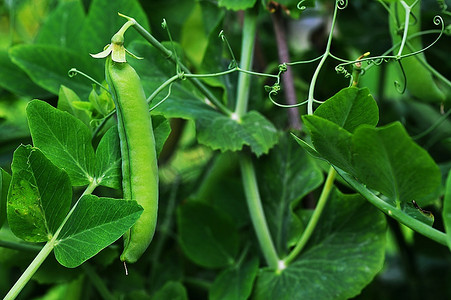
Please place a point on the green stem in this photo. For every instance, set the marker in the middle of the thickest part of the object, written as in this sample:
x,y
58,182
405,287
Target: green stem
x,y
169,55
20,246
247,54
396,214
45,251
32,268
321,63
256,212
407,8
314,218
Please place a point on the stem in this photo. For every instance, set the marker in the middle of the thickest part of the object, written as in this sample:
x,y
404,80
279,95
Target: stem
x,y
256,212
396,214
247,168
321,63
314,218
169,55
406,27
45,251
288,81
247,50
32,268
20,246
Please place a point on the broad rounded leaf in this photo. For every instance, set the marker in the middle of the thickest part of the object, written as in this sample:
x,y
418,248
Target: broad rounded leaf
x,y
64,139
94,224
343,255
39,196
207,236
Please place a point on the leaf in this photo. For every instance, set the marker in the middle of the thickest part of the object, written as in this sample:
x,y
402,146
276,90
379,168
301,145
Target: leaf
x,y
5,180
39,196
285,176
15,80
207,236
172,290
350,108
331,141
48,66
66,100
13,122
64,139
214,128
343,255
237,4
161,131
447,209
235,283
94,224
62,27
387,160
307,147
108,160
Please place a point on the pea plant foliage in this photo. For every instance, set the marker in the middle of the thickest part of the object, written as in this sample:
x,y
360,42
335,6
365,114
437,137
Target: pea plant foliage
x,y
225,150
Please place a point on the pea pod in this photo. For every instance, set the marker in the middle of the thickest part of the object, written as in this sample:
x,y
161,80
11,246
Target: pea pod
x,y
420,82
139,159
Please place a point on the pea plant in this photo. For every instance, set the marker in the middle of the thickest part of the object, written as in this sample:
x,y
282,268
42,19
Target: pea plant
x,y
225,150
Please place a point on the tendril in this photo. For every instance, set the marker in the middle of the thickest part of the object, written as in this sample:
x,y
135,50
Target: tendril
x,y
300,6
233,64
397,84
342,4
342,70
274,93
164,25
73,72
164,99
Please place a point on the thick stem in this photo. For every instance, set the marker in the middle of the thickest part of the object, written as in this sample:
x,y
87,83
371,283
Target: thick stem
x,y
29,272
256,212
247,49
169,55
314,218
287,79
396,214
45,251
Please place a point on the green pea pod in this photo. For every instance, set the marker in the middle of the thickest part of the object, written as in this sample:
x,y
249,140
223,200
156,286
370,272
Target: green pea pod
x,y
139,160
420,82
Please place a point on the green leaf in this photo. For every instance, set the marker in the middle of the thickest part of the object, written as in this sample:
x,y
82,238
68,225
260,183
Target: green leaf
x,y
387,160
94,224
108,160
172,290
161,131
66,100
48,66
64,139
344,254
207,236
285,176
5,180
350,108
214,129
307,147
39,196
447,209
237,4
62,27
331,141
235,283
13,122
15,80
